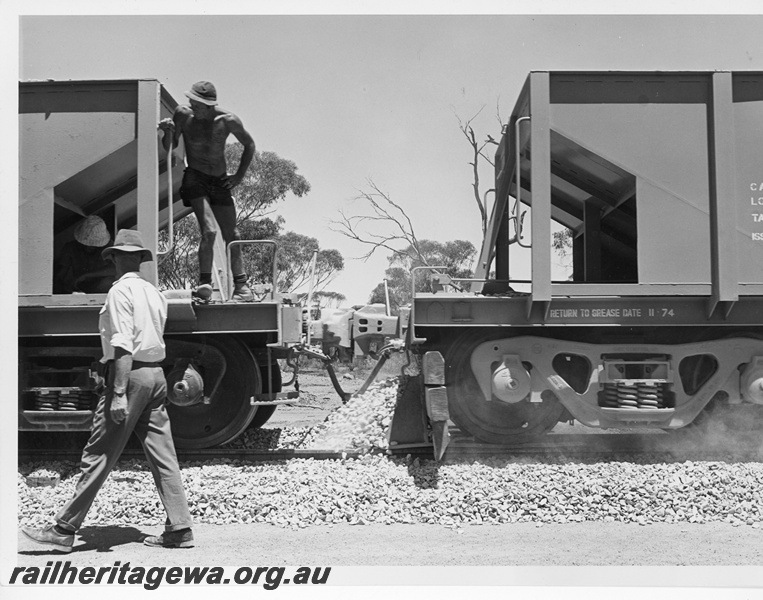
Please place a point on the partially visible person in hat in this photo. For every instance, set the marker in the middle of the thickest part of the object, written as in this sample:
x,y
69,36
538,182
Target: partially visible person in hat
x,y
206,183
131,326
80,267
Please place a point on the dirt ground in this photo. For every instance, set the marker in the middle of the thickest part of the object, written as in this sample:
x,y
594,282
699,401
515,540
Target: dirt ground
x,y
519,544
317,399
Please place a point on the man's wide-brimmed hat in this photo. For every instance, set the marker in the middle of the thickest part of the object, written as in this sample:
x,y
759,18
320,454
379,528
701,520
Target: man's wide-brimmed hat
x,y
128,240
204,92
92,232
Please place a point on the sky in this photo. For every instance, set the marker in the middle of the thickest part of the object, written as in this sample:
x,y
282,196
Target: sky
x,y
354,99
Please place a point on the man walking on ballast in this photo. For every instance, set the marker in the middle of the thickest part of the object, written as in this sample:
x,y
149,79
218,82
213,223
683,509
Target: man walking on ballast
x,y
131,326
206,184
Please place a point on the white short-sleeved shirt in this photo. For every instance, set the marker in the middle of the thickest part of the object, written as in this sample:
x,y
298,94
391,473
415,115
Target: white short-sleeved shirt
x,y
133,318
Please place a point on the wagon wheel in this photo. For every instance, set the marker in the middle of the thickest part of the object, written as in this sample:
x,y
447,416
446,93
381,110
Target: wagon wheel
x,y
231,377
720,419
494,422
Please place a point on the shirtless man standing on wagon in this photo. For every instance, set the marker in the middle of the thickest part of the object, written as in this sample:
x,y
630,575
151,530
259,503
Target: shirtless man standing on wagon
x,y
206,184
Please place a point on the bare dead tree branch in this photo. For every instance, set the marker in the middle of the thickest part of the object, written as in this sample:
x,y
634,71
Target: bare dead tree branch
x,y
480,155
381,210
501,121
350,227
477,152
255,213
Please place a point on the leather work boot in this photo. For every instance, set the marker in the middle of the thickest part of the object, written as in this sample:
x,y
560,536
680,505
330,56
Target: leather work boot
x,y
204,291
182,538
48,536
242,293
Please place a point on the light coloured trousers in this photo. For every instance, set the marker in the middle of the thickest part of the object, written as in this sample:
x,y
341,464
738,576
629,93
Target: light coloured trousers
x,y
147,416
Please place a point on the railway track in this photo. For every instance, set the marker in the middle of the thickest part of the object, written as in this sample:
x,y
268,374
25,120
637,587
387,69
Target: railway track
x,y
553,446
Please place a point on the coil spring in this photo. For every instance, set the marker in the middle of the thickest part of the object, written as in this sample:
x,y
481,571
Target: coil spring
x,y
633,395
46,400
66,400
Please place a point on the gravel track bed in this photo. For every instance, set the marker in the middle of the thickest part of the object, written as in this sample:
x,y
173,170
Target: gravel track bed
x,y
382,490
377,489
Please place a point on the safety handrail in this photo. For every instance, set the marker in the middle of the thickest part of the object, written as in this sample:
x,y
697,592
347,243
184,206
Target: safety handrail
x,y
411,320
484,199
516,217
275,261
170,210
486,279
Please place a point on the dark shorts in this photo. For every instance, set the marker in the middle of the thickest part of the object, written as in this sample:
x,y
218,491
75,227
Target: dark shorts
x,y
200,185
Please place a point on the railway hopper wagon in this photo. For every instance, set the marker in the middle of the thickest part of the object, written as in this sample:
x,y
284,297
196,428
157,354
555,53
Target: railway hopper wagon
x,y
93,148
656,180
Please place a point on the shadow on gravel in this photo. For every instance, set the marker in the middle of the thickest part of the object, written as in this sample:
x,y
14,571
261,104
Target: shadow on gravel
x,y
104,539
425,474
100,539
42,552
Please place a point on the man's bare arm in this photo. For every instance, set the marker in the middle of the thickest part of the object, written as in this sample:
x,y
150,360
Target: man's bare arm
x,y
236,127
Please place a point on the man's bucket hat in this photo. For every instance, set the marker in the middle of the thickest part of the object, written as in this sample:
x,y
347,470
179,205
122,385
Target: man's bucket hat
x,y
128,240
92,232
204,92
